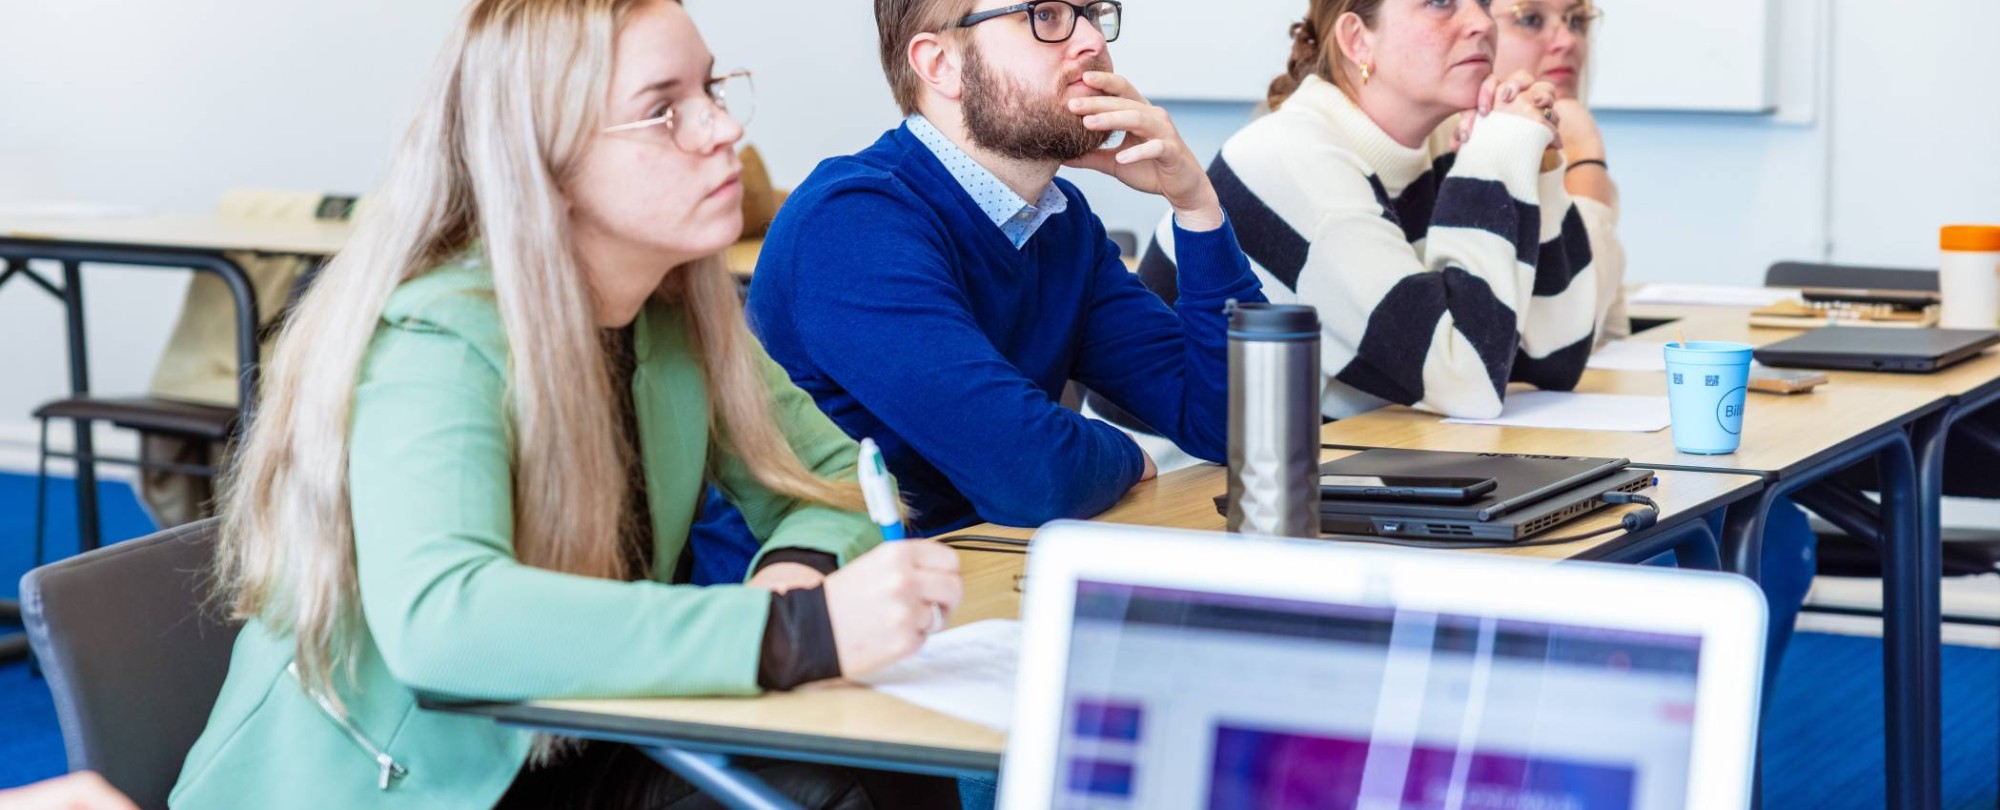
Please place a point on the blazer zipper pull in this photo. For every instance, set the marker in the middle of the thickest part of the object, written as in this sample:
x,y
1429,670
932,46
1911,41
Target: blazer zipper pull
x,y
390,770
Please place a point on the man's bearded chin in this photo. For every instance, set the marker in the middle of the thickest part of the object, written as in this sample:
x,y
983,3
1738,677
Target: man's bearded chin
x,y
1004,117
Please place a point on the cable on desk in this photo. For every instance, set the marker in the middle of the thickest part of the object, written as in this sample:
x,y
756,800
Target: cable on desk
x,y
1015,545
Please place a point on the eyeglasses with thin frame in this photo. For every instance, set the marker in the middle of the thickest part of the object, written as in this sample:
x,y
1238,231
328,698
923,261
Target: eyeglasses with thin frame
x,y
690,122
1534,19
1055,20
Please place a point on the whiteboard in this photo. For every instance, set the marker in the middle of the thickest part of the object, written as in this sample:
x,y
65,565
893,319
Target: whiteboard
x,y
1205,50
1673,55
1684,55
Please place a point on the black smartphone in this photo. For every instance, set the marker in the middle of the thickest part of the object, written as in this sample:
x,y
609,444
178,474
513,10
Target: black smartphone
x,y
1423,489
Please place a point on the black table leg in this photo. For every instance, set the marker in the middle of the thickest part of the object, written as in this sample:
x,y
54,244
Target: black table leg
x,y
1911,567
87,531
16,253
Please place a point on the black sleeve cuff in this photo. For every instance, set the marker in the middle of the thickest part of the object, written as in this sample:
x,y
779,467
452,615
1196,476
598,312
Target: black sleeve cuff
x,y
798,641
816,560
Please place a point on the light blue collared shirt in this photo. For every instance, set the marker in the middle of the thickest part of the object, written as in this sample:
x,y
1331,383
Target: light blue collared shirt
x,y
1014,216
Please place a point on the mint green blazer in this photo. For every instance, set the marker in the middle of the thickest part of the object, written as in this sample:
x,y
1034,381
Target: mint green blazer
x,y
447,607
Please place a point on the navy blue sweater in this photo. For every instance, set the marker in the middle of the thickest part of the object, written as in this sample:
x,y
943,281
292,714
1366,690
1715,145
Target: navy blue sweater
x,y
890,297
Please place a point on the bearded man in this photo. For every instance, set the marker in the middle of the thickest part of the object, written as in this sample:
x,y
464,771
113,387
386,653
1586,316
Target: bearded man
x,y
925,302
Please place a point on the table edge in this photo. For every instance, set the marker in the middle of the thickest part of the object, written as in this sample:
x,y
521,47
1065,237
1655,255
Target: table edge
x,y
733,739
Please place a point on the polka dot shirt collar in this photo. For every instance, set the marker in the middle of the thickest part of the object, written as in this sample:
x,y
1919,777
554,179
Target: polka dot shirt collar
x,y
1015,217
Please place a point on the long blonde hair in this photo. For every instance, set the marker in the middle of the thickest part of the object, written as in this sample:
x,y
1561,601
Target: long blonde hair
x,y
518,95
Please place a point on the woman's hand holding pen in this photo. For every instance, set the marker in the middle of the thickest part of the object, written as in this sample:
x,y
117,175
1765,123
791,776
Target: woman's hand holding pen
x,y
885,603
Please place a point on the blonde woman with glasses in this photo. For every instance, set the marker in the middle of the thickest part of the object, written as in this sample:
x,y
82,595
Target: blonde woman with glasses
x,y
1550,40
485,434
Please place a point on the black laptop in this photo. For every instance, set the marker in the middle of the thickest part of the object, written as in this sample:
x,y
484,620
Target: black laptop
x,y
1852,348
1534,494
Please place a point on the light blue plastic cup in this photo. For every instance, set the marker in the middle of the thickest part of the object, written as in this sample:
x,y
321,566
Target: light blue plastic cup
x,y
1707,385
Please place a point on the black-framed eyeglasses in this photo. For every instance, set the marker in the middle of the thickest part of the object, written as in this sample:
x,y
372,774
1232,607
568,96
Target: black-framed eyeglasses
x,y
1055,20
1534,19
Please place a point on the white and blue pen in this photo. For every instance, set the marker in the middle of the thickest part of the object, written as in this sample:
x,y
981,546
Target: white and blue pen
x,y
879,491
880,494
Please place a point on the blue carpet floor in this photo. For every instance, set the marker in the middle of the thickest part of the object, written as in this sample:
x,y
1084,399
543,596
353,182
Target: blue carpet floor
x,y
1822,743
121,519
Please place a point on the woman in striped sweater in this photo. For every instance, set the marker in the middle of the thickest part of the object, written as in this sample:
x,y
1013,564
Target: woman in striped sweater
x,y
1445,262
1432,224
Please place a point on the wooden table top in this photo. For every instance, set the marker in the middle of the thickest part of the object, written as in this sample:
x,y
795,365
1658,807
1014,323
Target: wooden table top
x,y
742,257
1733,323
830,709
187,232
1781,434
1181,499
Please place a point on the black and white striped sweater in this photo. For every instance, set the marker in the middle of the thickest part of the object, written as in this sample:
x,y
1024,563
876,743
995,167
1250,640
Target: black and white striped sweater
x,y
1439,276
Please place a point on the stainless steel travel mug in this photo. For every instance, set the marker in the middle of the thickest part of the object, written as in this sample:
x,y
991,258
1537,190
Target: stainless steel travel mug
x,y
1274,420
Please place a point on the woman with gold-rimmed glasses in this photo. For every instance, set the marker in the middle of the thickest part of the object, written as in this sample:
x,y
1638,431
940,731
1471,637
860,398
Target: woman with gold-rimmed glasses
x,y
1550,40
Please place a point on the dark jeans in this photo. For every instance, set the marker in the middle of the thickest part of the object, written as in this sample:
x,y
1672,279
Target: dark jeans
x,y
620,777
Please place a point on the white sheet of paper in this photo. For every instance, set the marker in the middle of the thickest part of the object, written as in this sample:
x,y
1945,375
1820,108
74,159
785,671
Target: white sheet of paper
x,y
966,672
1557,409
1630,355
1710,295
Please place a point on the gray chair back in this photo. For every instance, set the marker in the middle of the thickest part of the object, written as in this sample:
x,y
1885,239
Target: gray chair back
x,y
1127,242
1850,277
132,658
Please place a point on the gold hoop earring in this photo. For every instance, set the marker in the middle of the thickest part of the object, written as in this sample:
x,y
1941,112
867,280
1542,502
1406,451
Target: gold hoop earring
x,y
1367,71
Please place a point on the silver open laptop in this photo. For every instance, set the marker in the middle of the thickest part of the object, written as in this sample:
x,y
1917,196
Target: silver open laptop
x,y
1164,669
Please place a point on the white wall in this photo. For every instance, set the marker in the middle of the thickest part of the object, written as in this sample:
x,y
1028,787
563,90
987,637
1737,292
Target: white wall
x,y
1709,198
164,105
1886,129
1917,136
